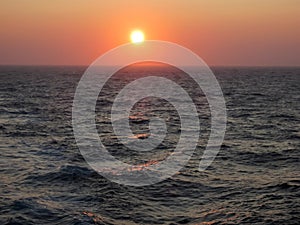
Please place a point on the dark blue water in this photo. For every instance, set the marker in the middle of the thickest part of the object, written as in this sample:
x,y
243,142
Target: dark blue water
x,y
255,178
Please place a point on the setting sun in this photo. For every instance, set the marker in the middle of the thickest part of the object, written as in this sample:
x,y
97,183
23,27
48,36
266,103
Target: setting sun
x,y
137,36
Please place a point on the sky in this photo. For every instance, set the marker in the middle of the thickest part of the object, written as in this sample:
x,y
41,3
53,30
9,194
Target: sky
x,y
221,32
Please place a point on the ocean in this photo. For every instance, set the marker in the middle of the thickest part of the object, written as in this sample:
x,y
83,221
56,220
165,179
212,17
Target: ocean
x,y
254,179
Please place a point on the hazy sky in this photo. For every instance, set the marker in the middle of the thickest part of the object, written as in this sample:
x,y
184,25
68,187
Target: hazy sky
x,y
222,32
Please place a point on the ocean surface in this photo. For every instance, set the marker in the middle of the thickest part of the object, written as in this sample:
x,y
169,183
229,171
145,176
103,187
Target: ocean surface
x,y
255,178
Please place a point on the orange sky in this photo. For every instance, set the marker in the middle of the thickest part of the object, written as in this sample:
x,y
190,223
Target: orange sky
x,y
222,32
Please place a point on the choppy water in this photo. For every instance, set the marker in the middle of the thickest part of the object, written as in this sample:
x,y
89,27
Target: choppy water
x,y
254,179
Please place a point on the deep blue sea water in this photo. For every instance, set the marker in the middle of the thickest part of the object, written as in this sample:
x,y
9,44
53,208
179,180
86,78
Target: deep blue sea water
x,y
254,179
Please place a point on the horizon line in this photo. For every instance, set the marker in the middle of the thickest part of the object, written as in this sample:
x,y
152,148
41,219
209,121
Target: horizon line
x,y
82,65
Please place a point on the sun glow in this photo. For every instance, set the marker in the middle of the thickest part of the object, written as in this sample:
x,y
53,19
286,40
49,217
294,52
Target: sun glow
x,y
137,36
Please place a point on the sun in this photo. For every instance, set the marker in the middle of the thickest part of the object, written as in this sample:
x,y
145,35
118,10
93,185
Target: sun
x,y
137,36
